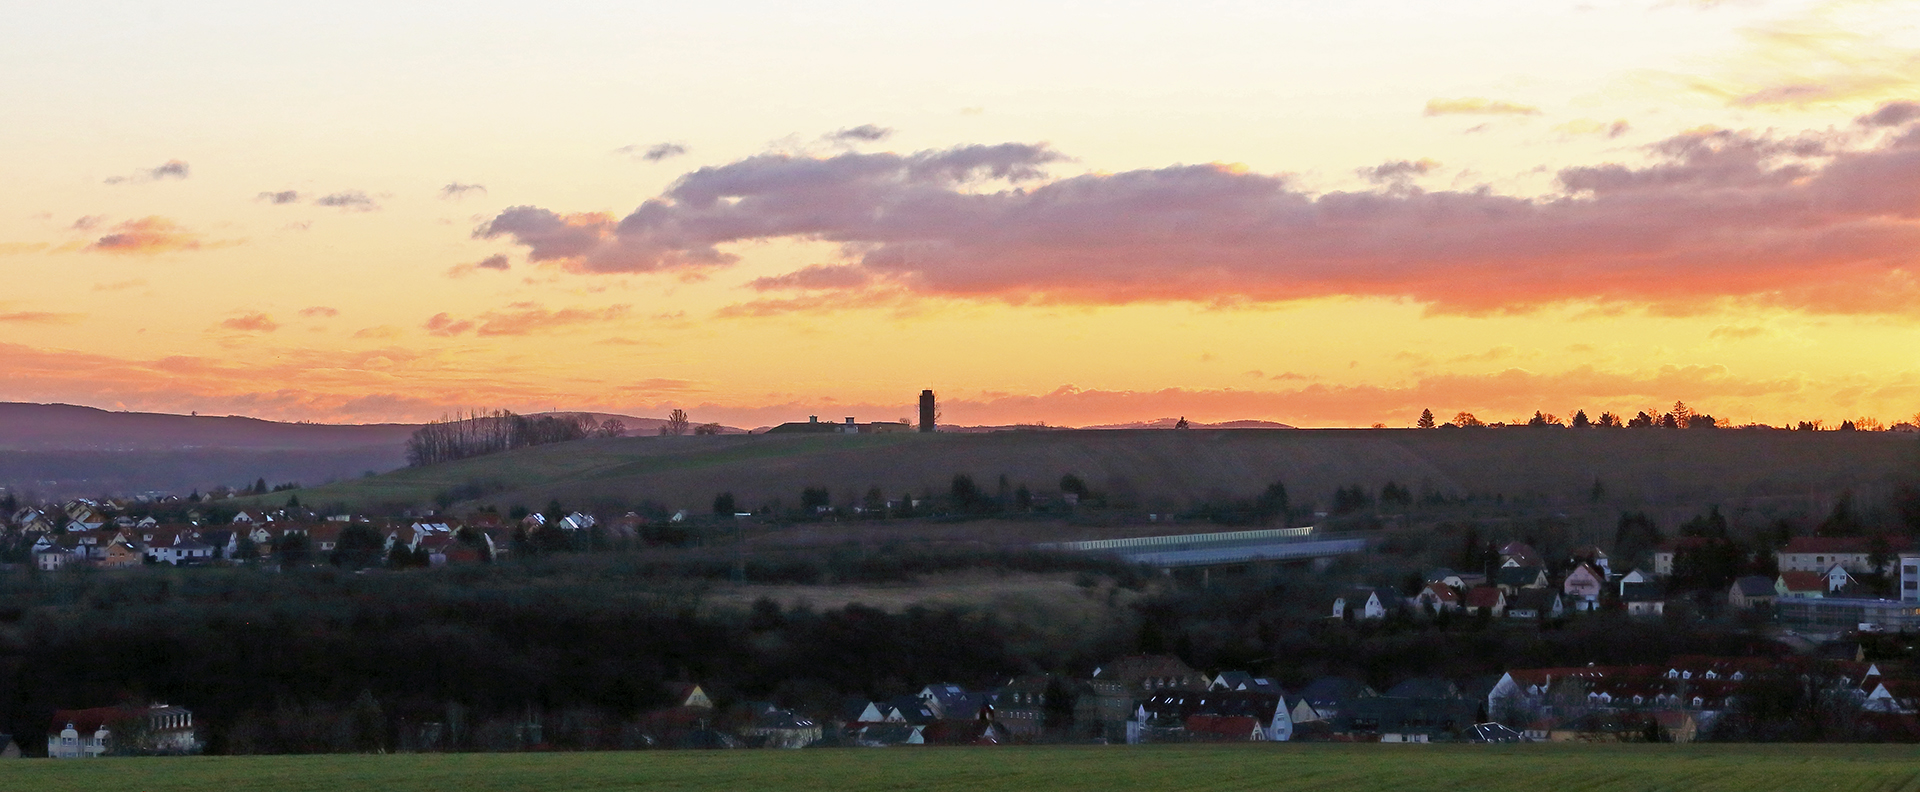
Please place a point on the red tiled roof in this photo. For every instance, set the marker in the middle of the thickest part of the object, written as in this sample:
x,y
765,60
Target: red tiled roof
x,y
1804,581
1826,544
1483,596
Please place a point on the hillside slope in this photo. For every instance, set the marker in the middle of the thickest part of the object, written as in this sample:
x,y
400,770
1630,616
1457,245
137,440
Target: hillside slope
x,y
1167,468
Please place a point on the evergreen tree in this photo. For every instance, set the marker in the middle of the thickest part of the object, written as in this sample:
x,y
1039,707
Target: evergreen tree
x,y
1426,420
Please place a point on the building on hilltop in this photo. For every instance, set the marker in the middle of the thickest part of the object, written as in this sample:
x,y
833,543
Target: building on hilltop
x,y
813,425
122,731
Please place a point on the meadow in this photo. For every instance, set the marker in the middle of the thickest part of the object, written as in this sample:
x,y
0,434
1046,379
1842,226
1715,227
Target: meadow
x,y
1332,768
1163,470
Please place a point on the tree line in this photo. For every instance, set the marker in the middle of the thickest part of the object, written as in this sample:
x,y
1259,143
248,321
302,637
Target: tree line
x,y
479,434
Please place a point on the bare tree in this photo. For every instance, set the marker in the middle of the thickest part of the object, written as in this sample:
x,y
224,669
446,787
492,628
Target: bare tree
x,y
676,423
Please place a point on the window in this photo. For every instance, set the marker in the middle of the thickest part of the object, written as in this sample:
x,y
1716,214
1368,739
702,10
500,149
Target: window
x,y
1908,569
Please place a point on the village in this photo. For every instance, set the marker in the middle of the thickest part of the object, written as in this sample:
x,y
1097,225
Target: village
x,y
1816,606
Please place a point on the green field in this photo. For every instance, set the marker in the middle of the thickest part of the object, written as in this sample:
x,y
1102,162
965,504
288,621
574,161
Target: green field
x,y
1532,768
1166,470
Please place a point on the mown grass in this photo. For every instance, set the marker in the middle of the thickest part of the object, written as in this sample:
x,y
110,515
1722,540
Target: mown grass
x,y
1332,768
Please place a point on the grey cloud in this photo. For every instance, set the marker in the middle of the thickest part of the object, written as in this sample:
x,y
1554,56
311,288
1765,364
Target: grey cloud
x,y
281,197
171,169
1892,114
458,190
653,153
865,133
352,200
1398,170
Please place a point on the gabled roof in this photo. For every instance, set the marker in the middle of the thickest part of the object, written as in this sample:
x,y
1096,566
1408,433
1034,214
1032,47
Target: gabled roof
x,y
1536,599
1333,690
1142,666
1803,581
1754,586
1424,687
1519,576
1484,597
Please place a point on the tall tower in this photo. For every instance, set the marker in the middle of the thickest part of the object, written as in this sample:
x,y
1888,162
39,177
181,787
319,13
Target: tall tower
x,y
926,410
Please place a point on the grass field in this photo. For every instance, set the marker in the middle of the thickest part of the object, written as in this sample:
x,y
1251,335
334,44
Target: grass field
x,y
1167,467
1328,768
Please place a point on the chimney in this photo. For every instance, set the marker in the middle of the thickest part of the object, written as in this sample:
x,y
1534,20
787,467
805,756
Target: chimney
x,y
813,419
927,410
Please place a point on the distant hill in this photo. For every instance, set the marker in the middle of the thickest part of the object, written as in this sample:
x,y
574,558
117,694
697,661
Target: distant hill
x,y
61,450
1168,469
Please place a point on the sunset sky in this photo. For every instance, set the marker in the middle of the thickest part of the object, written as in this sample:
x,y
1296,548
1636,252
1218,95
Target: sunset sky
x,y
1324,214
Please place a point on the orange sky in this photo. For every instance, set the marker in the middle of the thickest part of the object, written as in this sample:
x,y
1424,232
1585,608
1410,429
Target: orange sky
x,y
1320,216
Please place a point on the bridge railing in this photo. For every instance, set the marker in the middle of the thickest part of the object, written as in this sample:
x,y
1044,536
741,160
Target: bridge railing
x,y
1140,542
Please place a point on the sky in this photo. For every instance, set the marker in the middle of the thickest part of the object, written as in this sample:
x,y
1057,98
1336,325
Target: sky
x,y
1076,213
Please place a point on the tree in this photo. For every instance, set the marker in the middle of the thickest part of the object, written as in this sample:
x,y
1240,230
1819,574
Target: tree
x,y
1681,413
244,548
1465,420
614,427
1182,423
292,550
964,493
1669,421
1426,420
1609,421
358,547
676,424
723,504
814,500
1580,419
1634,538
1272,503
1844,520
1641,420
1057,703
707,429
1072,484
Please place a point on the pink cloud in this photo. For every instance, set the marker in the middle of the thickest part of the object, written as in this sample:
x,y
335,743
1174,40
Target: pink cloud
x,y
147,236
1821,222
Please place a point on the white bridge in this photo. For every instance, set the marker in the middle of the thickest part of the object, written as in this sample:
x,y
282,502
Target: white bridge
x,y
1217,549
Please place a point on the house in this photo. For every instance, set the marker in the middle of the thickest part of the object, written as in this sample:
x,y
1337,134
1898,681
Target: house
x,y
1485,599
121,554
1840,583
688,694
884,735
1819,553
51,558
779,728
1633,576
1800,585
1583,586
1407,720
1664,554
1022,705
1365,603
950,701
1535,603
1752,591
1329,696
1909,582
1520,554
1243,682
154,730
1511,579
1225,716
1643,599
1437,597
8,748
1424,687
1593,556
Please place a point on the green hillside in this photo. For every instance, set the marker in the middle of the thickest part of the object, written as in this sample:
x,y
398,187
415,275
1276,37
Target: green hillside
x,y
1333,768
1166,469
